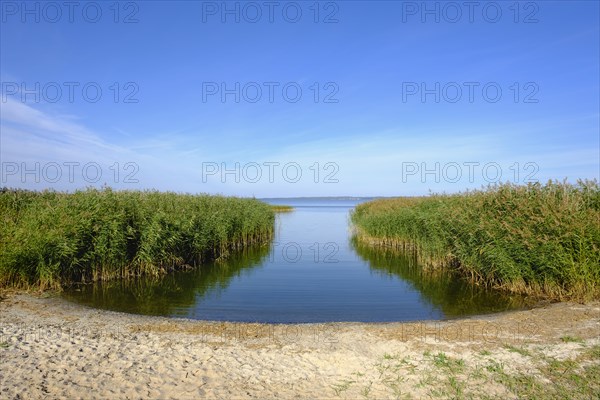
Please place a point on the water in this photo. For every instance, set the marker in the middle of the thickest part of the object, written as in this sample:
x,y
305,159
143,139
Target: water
x,y
312,272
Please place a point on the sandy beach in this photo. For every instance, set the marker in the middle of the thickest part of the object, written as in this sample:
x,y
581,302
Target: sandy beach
x,y
50,348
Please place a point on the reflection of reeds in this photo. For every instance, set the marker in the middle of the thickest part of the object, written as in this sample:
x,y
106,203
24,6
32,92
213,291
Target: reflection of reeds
x,y
440,286
49,238
280,209
535,239
161,295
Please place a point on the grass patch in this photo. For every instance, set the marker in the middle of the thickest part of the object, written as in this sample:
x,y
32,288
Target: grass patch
x,y
594,352
495,366
342,386
536,239
519,350
563,379
441,360
539,377
50,238
571,339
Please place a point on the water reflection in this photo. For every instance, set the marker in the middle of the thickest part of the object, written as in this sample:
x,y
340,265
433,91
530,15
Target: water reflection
x,y
454,296
311,272
172,294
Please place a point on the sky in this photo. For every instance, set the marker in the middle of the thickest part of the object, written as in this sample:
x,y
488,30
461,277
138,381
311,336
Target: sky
x,y
305,98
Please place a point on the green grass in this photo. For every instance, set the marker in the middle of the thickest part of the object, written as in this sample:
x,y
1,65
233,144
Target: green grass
x,y
50,239
536,239
571,339
341,387
445,377
519,350
441,360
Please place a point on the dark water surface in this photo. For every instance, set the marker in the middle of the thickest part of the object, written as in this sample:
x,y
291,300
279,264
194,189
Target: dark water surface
x,y
312,272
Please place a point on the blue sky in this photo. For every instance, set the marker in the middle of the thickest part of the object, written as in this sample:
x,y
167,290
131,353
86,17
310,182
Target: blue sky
x,y
388,107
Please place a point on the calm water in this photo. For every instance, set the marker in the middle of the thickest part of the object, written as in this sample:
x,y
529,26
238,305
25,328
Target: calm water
x,y
312,272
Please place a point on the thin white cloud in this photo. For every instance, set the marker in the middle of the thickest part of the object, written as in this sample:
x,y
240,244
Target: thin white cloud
x,y
49,127
31,137
371,163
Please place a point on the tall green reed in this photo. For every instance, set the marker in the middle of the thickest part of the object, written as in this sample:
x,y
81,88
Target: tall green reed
x,y
535,239
49,238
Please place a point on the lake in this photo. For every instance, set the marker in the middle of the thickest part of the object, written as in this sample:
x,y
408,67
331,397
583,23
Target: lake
x,y
312,272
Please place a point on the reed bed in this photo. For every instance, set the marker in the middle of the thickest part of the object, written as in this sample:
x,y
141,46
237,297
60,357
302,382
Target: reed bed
x,y
50,239
542,240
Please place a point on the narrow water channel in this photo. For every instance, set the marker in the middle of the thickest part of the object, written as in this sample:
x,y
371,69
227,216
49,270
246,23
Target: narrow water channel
x,y
312,272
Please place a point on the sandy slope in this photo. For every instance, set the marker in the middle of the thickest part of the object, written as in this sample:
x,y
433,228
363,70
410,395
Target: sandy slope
x,y
50,348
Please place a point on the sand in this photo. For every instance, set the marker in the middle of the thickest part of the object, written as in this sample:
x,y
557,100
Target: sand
x,y
50,348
